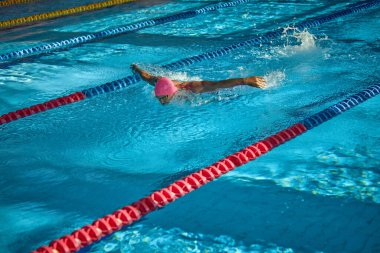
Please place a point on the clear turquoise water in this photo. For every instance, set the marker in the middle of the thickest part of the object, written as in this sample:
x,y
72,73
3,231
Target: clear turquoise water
x,y
64,168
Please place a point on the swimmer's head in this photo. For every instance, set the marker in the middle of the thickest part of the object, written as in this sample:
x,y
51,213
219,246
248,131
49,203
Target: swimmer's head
x,y
165,90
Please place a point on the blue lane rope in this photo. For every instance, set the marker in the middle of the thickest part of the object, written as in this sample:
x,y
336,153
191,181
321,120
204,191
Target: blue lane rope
x,y
115,31
122,83
334,110
255,41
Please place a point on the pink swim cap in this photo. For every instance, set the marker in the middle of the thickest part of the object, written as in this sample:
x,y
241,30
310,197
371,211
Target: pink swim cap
x,y
164,86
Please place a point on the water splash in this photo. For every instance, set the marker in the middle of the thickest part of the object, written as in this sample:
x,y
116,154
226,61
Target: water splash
x,y
292,42
305,41
274,78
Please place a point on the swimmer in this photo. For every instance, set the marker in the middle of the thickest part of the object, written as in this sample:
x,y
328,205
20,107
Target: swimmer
x,y
165,88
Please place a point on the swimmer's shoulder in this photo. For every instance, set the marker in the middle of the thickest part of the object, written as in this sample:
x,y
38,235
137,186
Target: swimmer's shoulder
x,y
194,86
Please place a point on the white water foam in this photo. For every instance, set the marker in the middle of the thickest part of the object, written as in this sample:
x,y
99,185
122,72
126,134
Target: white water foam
x,y
274,78
295,42
306,39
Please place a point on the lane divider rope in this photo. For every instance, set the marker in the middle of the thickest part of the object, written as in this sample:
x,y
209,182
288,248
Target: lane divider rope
x,y
61,13
14,2
158,199
53,46
129,80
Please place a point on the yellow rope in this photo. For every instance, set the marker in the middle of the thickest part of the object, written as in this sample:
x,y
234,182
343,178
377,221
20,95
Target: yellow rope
x,y
11,2
60,13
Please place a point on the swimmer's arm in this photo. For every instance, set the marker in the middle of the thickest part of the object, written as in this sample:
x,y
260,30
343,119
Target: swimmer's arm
x,y
146,76
207,86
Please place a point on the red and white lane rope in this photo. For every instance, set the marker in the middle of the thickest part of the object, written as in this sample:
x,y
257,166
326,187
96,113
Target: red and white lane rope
x,y
131,213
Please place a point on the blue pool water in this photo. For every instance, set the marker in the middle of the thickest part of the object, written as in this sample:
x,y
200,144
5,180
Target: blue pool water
x,y
64,168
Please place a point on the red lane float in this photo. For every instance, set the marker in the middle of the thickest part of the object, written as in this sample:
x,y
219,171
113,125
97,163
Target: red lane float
x,y
129,214
69,99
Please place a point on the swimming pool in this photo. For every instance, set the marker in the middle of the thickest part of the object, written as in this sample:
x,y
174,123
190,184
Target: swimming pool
x,y
66,167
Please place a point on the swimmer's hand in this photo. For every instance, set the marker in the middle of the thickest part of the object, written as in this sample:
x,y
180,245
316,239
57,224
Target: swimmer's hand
x,y
256,81
135,68
146,76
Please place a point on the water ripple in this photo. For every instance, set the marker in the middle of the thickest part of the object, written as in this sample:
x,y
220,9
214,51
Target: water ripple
x,y
144,239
